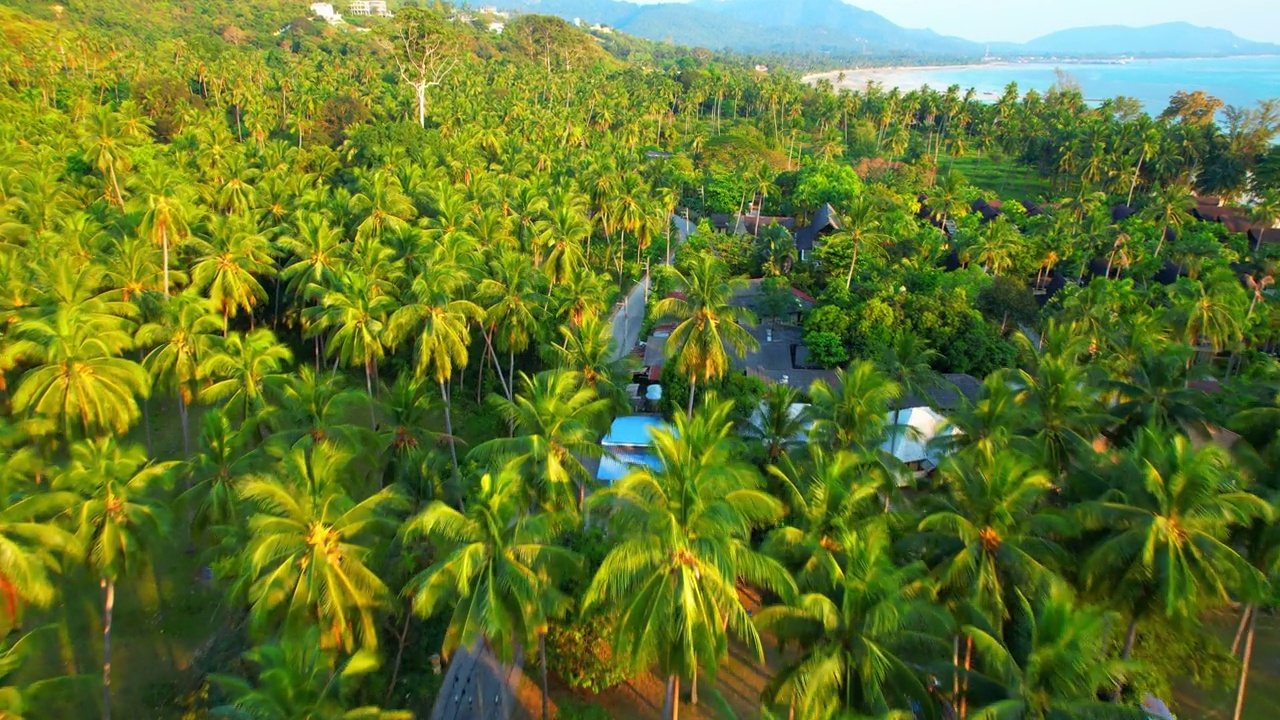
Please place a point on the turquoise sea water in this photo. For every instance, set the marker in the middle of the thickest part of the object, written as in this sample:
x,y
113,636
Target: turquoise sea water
x,y
1238,81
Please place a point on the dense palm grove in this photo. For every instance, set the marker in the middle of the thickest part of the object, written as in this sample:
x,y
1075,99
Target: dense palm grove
x,y
317,321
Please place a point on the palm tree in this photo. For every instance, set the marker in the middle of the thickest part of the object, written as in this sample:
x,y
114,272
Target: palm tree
x,y
230,265
106,148
497,571
861,230
167,217
179,341
31,547
117,518
1156,392
861,642
1061,671
215,474
851,413
554,418
909,364
299,680
511,318
776,425
1208,312
1167,518
709,322
1167,207
241,368
683,533
310,546
590,350
355,313
826,495
439,324
77,379
1062,413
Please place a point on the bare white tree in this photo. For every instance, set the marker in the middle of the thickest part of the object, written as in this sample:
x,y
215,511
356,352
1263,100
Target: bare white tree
x,y
426,49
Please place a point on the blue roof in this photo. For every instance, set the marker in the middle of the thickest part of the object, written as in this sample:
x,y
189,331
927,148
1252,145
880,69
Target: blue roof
x,y
613,468
634,430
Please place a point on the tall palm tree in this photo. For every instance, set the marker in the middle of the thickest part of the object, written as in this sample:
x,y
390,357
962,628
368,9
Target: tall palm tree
x,y
711,326
776,425
355,313
1063,414
684,530
1062,669
826,494
851,414
909,364
555,418
1167,207
77,379
590,350
117,517
215,474
167,218
862,641
497,569
241,368
1167,519
32,548
299,680
229,266
861,231
180,340
439,324
307,562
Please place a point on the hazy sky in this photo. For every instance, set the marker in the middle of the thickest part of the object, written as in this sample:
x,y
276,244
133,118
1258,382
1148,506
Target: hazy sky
x,y
1022,20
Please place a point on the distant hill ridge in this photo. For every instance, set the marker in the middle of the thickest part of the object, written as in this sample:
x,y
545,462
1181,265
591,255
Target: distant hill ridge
x,y
833,26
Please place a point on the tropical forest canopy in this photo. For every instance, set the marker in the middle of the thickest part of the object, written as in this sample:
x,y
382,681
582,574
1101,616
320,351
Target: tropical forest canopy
x,y
307,348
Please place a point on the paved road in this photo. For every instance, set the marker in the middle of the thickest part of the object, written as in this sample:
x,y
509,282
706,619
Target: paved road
x,y
477,687
629,314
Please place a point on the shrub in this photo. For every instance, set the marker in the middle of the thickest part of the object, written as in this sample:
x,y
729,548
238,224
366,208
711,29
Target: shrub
x,y
579,652
825,349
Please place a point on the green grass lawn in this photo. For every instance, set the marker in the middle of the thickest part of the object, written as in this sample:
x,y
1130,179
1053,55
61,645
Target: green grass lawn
x,y
1002,178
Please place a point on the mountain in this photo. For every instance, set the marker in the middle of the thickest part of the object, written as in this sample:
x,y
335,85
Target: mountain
x,y
757,25
1168,39
832,26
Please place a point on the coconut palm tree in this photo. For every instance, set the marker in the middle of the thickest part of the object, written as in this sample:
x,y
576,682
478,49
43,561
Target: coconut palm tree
x,y
76,378
860,643
776,425
215,474
439,324
180,340
497,569
1061,670
311,546
555,418
861,231
241,369
297,679
909,364
1167,518
683,533
229,266
32,549
117,517
710,325
851,414
355,314
15,658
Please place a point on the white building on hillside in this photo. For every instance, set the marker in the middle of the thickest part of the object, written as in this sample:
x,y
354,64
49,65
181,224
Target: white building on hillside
x,y
497,27
324,11
369,7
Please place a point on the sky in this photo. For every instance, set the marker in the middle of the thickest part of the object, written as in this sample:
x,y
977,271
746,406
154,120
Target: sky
x,y
1022,20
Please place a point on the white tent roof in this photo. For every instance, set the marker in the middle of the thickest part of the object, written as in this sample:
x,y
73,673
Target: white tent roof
x,y
910,443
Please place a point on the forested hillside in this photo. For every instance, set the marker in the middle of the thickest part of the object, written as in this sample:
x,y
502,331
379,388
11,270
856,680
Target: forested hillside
x,y
308,344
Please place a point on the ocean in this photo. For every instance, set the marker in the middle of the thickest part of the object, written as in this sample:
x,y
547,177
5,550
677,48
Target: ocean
x,y
1237,81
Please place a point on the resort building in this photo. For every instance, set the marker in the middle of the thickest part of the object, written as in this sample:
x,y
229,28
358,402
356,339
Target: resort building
x,y
369,7
325,11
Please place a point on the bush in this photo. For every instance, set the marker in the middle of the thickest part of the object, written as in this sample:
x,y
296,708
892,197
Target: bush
x,y
579,652
825,349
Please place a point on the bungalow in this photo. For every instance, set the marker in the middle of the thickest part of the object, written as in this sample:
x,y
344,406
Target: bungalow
x,y
629,445
825,222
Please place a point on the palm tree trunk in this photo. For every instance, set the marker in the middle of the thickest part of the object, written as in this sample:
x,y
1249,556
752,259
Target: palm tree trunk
x,y
1133,185
693,384
108,607
453,445
395,668
848,282
1244,623
693,686
164,244
955,678
964,689
1244,666
185,420
1129,639
542,663
671,705
368,386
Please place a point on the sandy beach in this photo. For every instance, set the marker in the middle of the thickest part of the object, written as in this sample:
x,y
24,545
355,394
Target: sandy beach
x,y
905,77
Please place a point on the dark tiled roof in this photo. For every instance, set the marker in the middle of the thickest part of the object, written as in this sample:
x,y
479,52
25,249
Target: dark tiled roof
x,y
825,219
1122,212
1257,236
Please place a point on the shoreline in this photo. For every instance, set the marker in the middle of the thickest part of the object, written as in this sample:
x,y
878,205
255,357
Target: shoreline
x,y
849,73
